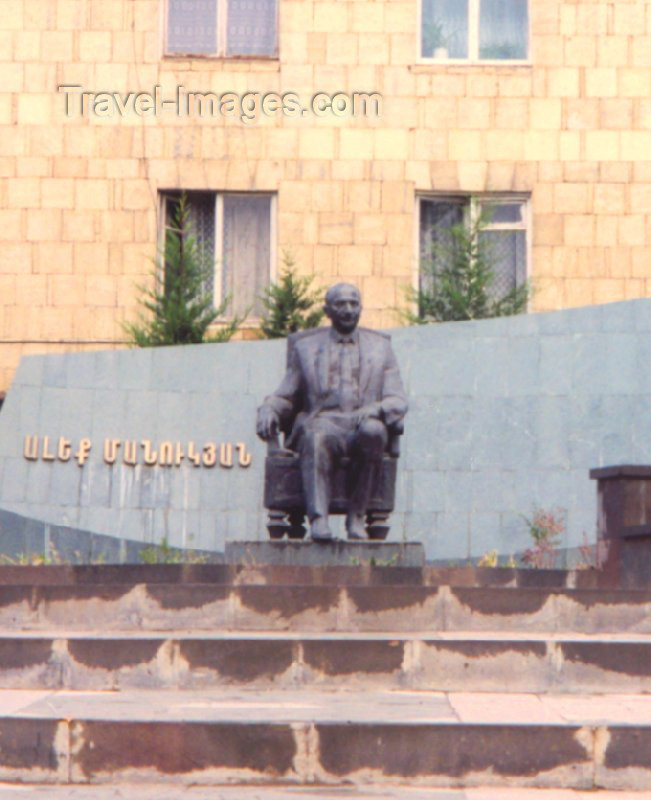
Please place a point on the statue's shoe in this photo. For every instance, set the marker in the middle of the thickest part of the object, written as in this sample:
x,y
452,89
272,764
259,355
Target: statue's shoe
x,y
355,527
320,530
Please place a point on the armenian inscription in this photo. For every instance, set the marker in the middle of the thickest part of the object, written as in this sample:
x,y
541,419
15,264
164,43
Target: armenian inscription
x,y
132,451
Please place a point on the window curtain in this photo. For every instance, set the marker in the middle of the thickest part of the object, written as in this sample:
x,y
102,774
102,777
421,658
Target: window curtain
x,y
436,219
503,29
444,29
246,254
192,26
251,28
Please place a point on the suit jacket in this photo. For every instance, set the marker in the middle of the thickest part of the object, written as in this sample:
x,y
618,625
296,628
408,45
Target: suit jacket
x,y
306,384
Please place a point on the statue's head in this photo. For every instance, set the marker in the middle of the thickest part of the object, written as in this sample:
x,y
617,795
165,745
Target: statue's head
x,y
343,305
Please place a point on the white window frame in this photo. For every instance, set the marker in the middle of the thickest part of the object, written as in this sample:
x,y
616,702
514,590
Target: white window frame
x,y
218,296
471,203
222,29
473,41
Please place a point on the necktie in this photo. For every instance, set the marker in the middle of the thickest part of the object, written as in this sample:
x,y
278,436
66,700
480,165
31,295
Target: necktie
x,y
346,387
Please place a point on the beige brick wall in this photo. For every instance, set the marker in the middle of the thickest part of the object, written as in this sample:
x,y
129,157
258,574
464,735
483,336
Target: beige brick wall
x,y
78,196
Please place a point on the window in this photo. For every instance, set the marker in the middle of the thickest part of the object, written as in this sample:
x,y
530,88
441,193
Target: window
x,y
233,232
503,231
475,30
222,28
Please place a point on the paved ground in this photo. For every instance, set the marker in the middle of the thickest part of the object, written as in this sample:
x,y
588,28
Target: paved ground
x,y
391,706
185,633
138,791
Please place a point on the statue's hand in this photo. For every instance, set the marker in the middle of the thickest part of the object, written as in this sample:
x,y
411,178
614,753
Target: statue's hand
x,y
267,423
370,411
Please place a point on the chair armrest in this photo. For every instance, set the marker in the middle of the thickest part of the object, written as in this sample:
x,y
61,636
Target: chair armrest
x,y
274,448
395,431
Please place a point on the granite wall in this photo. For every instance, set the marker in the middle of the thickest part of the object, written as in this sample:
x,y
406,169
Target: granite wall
x,y
505,415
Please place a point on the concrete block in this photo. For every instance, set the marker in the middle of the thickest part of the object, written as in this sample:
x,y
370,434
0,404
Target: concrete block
x,y
486,431
641,431
20,535
449,533
171,413
556,357
641,314
490,366
202,410
65,485
491,490
75,413
68,544
232,522
425,450
184,488
125,486
523,366
585,425
30,371
550,421
109,407
14,481
210,534
449,365
512,536
581,526
266,370
141,417
458,488
616,443
80,369
105,549
549,491
605,363
96,485
124,369
428,491
156,488
485,532
102,522
337,553
212,493
583,320
37,489
29,411
136,525
583,490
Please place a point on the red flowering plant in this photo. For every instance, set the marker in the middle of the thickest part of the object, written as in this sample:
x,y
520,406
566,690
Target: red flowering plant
x,y
545,528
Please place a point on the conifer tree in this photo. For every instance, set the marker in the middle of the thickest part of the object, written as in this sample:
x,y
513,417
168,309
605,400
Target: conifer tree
x,y
290,304
457,279
179,309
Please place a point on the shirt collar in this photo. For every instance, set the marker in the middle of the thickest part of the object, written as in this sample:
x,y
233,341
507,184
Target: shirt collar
x,y
344,338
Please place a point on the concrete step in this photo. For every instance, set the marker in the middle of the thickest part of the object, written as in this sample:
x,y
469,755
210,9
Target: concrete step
x,y
365,574
452,662
207,606
336,737
142,791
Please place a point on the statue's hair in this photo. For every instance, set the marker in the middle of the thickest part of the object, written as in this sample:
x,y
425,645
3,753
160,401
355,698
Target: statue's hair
x,y
334,290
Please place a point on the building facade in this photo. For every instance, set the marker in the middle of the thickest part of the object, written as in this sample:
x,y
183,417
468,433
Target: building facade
x,y
348,133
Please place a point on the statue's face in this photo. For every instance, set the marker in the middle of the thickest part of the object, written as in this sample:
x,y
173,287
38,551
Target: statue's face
x,y
344,308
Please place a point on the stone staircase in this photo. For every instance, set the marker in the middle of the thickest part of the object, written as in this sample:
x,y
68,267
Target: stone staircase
x,y
223,682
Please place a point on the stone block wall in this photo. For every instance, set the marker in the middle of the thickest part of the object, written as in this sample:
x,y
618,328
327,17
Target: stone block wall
x,y
78,211
506,415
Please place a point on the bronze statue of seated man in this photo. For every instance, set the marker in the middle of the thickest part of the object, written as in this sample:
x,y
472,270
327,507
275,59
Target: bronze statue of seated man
x,y
341,393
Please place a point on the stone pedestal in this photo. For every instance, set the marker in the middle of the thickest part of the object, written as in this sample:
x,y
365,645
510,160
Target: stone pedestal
x,y
338,553
624,522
